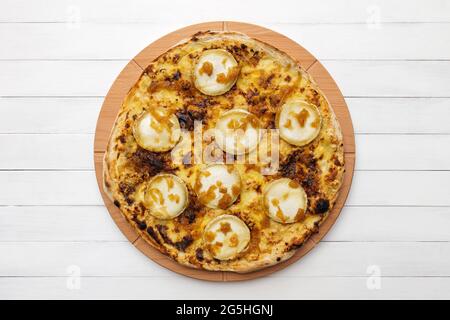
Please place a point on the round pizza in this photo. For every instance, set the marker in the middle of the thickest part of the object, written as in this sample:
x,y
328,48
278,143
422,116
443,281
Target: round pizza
x,y
225,155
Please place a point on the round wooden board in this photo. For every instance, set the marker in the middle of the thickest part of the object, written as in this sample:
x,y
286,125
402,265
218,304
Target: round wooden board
x,y
130,75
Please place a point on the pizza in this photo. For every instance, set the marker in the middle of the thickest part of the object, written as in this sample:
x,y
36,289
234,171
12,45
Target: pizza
x,y
225,155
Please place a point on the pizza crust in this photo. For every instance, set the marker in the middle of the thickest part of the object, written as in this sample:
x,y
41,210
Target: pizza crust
x,y
331,149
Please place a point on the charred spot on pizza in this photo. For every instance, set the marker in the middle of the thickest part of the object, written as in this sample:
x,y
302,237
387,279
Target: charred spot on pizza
x,y
163,233
313,96
176,76
189,115
322,206
238,52
255,57
152,233
173,77
150,69
258,110
271,124
331,176
184,85
204,102
139,210
127,190
190,213
275,100
288,168
117,204
142,225
184,243
315,228
176,58
151,162
122,139
185,120
311,184
337,162
252,96
198,34
294,246
266,81
181,245
301,166
199,254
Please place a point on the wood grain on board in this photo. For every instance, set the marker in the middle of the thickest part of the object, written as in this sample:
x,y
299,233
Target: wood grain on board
x,y
129,76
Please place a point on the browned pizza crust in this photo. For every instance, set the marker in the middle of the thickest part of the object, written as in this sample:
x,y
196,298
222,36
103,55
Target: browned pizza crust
x,y
268,77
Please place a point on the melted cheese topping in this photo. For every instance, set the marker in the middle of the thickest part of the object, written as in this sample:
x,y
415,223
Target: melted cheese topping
x,y
218,186
299,122
216,72
226,236
237,132
166,196
157,131
285,201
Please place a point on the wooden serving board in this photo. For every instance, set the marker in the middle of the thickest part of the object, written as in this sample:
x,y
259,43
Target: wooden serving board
x,y
130,75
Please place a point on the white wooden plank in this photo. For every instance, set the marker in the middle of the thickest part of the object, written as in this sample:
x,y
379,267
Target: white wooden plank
x,y
49,115
403,152
93,223
77,223
58,78
355,78
93,258
401,188
74,151
168,288
49,188
391,224
302,11
298,288
354,258
344,41
361,41
90,41
369,115
48,151
327,259
369,188
391,78
399,115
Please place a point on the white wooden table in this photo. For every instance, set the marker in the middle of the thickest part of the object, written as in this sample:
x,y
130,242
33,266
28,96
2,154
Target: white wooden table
x,y
392,62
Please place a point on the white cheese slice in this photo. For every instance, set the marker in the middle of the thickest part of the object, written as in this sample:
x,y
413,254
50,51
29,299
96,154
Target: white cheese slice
x,y
299,122
157,131
215,72
285,200
226,236
237,132
166,196
218,186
